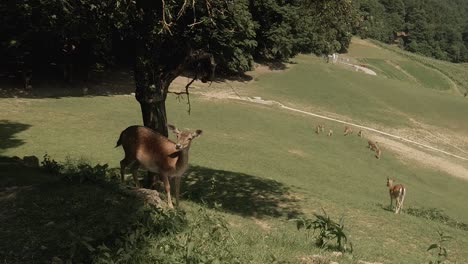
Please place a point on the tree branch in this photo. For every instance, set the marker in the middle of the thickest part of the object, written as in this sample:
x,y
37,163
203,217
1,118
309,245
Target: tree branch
x,y
180,94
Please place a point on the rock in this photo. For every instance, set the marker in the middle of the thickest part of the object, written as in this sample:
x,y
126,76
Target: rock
x,y
31,161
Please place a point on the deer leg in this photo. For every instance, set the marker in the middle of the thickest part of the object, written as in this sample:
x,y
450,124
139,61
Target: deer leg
x,y
167,186
135,167
177,189
123,165
397,207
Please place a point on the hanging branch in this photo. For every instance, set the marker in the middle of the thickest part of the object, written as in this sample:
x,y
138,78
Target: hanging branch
x,y
180,94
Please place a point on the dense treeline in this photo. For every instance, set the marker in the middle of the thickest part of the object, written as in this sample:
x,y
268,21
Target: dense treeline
x,y
433,28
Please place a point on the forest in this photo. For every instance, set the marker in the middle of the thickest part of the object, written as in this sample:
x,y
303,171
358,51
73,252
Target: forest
x,y
433,28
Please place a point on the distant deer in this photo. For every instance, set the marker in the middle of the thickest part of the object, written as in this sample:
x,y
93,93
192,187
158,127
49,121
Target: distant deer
x,y
330,133
320,128
372,145
397,193
156,153
359,133
378,153
348,130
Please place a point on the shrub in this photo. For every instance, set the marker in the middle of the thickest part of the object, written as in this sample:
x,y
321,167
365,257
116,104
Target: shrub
x,y
437,215
440,248
328,230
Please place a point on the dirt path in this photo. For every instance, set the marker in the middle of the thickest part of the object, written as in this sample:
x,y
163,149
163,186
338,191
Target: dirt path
x,y
360,68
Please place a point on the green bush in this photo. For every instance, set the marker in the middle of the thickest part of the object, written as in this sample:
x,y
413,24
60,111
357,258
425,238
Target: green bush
x,y
442,254
328,230
437,215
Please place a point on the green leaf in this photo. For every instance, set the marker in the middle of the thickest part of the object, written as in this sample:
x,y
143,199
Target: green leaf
x,y
433,246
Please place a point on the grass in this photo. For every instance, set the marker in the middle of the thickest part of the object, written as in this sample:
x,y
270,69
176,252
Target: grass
x,y
382,67
456,72
304,178
255,167
426,76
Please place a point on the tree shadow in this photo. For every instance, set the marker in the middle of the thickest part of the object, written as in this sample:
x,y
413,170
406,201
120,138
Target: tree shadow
x,y
8,130
240,193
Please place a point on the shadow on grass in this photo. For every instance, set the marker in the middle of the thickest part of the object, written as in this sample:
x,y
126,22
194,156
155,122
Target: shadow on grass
x,y
240,193
385,207
45,216
8,130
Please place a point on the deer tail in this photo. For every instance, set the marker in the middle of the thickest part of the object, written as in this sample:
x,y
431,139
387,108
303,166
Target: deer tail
x,y
119,141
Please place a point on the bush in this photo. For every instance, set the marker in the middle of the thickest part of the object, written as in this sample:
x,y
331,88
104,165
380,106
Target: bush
x,y
328,230
440,248
437,215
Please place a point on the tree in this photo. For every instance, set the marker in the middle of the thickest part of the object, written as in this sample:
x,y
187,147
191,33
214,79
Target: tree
x,y
164,39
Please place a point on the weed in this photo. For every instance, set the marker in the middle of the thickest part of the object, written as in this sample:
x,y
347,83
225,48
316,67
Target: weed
x,y
51,166
328,230
440,248
206,240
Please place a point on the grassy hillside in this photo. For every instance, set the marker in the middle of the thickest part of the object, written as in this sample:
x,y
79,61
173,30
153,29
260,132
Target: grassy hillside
x,y
263,165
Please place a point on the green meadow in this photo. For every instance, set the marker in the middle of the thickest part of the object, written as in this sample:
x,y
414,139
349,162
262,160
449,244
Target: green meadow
x,y
257,167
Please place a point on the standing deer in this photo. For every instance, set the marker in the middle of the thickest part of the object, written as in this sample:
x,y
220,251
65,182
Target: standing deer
x,y
397,193
320,128
378,153
348,130
359,133
156,153
330,133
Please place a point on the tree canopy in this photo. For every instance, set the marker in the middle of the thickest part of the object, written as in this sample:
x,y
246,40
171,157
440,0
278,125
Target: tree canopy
x,y
433,28
166,38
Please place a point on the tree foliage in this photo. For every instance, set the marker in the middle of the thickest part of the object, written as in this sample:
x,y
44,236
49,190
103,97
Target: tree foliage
x,y
166,38
433,28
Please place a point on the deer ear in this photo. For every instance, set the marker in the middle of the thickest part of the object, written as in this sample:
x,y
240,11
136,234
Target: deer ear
x,y
197,133
173,129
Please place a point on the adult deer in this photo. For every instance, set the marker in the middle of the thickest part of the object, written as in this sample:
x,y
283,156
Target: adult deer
x,y
320,128
156,153
378,153
348,130
372,145
397,193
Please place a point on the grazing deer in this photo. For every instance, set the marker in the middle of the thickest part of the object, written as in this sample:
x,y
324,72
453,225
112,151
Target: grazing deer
x,y
347,130
378,153
372,145
330,133
320,128
359,133
397,193
156,153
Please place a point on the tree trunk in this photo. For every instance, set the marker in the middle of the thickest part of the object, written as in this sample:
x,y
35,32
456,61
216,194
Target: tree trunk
x,y
151,92
154,116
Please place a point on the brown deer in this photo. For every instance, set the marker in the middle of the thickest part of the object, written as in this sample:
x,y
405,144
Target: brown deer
x,y
359,133
156,153
319,129
348,130
378,153
397,193
372,145
330,133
